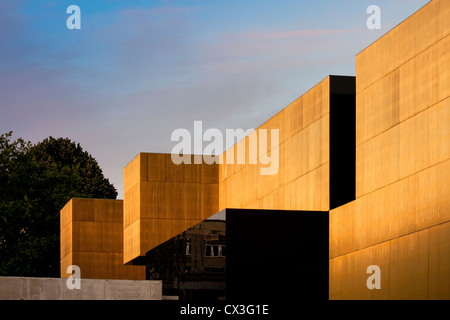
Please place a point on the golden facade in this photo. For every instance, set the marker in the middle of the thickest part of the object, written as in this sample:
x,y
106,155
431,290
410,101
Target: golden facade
x,y
92,239
399,216
400,219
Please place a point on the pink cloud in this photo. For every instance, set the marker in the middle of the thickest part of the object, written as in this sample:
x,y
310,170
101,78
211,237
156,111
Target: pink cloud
x,y
310,33
298,33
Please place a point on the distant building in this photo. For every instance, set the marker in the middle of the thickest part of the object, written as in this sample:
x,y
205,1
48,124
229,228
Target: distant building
x,y
193,264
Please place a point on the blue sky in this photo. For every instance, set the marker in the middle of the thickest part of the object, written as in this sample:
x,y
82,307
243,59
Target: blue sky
x,y
137,70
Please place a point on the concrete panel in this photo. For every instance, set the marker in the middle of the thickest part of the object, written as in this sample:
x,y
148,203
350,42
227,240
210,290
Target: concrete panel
x,y
132,172
444,261
377,162
378,107
20,288
208,199
65,262
93,240
348,278
363,259
381,257
411,88
165,191
334,285
97,236
65,240
311,191
417,33
402,127
418,143
295,114
425,139
413,266
10,287
90,290
133,290
433,263
316,102
105,265
417,202
132,241
66,215
425,79
132,204
153,167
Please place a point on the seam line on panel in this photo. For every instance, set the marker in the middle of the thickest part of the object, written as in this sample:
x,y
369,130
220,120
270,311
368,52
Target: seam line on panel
x,y
404,120
245,165
405,177
391,239
375,81
318,167
90,251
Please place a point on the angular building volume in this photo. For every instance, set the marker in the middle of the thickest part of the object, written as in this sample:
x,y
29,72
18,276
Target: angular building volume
x,y
363,180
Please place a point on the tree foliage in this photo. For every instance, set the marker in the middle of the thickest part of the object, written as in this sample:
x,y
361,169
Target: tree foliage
x,y
36,181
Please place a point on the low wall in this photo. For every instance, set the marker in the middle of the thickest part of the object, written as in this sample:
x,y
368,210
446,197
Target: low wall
x,y
21,288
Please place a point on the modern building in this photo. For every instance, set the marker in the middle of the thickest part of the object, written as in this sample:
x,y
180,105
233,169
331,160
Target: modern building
x,y
363,180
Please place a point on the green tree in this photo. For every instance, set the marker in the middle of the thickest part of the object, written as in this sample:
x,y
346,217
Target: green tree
x,y
36,181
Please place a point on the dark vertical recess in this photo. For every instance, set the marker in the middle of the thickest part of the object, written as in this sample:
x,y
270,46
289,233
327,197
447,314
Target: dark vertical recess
x,y
277,255
342,140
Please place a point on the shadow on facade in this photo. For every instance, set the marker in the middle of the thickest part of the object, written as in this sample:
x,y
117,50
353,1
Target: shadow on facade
x,y
191,265
251,255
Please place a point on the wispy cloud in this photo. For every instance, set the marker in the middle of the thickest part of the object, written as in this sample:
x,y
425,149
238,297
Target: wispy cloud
x,y
138,70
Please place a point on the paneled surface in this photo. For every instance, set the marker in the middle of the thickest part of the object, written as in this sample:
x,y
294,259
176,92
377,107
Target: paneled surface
x,y
400,219
402,111
302,180
404,228
418,202
92,238
407,90
420,141
414,35
413,266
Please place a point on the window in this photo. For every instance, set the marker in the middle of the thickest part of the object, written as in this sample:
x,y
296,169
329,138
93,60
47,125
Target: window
x,y
215,250
188,247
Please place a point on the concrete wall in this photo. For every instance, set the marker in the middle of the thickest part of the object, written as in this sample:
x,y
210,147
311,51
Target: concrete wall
x,y
92,238
20,288
400,219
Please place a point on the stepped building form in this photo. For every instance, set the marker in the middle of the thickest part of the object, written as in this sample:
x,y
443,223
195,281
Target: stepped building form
x,y
363,179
